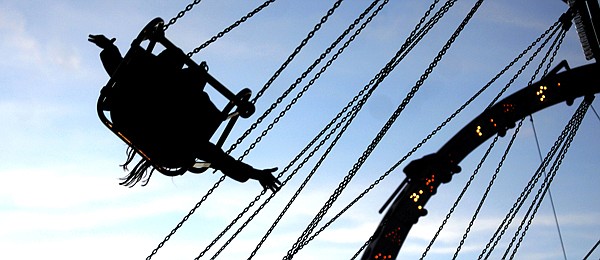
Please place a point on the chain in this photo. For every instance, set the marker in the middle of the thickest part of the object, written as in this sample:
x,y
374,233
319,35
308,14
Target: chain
x,y
475,172
181,14
554,29
303,43
161,244
510,144
287,92
429,136
524,194
572,128
214,38
297,246
489,187
304,150
555,46
404,49
316,76
231,27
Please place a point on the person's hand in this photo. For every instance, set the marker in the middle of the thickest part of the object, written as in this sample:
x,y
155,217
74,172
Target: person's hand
x,y
101,41
267,180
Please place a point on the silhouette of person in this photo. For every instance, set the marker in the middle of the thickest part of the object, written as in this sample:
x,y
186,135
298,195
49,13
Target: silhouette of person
x,y
163,107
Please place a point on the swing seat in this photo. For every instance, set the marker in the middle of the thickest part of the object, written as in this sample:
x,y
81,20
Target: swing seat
x,y
161,116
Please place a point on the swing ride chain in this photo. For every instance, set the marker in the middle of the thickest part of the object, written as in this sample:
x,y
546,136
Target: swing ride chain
x,y
302,77
524,194
429,136
180,224
433,133
488,189
458,111
305,160
322,142
513,137
312,142
574,126
303,43
383,73
299,243
231,27
280,99
508,217
464,190
353,114
554,28
214,38
181,14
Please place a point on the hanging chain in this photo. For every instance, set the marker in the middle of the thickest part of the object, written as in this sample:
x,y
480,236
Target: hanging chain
x,y
181,14
488,189
298,245
231,27
429,136
555,46
404,49
180,224
525,193
312,142
303,43
458,199
214,38
507,150
574,123
300,79
555,28
458,111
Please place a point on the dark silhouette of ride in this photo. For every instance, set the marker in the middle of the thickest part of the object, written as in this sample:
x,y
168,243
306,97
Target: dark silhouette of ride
x,y
158,106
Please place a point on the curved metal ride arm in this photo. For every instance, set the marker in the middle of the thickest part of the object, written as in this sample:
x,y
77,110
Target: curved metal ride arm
x,y
425,175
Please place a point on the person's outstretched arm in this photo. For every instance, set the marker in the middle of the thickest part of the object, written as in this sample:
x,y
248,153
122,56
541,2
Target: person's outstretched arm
x,y
238,170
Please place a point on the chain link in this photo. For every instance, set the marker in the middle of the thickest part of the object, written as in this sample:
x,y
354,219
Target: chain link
x,y
554,29
300,242
311,143
181,14
570,132
514,135
231,27
488,189
216,185
298,81
180,224
508,217
312,81
303,43
524,194
460,109
458,199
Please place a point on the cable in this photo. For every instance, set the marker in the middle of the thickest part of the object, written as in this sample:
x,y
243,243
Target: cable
x,y
549,191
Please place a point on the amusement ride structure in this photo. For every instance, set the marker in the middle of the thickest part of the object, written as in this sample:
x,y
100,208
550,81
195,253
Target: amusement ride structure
x,y
556,84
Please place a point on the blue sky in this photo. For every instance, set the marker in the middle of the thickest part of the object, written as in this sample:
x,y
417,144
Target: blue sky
x,y
59,194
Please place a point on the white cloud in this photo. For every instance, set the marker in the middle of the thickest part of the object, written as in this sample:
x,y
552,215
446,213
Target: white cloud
x,y
18,44
22,49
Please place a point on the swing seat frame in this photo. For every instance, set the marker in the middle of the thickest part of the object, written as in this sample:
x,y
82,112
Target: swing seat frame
x,y
238,106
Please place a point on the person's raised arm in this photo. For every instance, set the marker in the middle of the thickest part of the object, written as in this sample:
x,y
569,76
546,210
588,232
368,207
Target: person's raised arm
x,y
110,55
